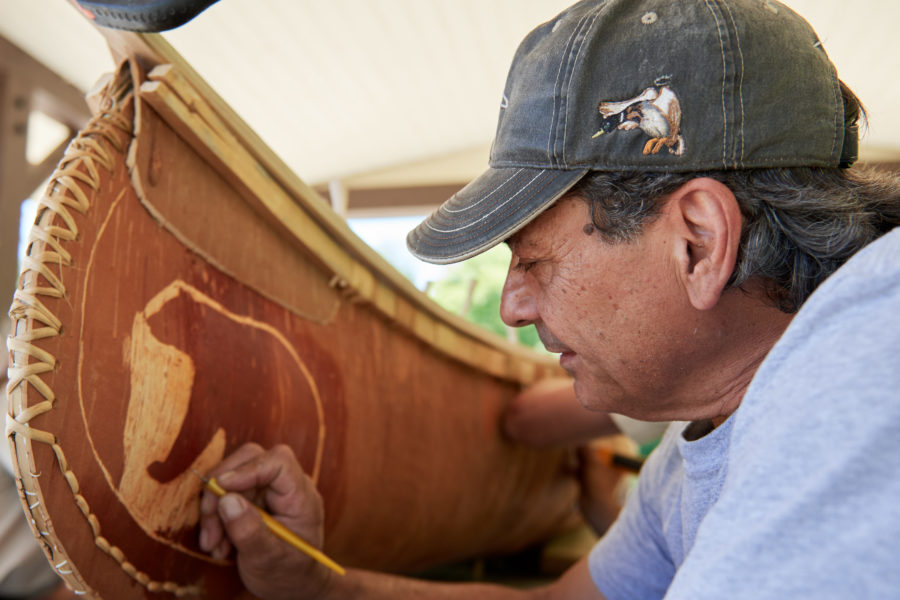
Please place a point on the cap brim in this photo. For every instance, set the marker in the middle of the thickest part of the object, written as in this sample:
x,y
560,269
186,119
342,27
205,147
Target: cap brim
x,y
489,210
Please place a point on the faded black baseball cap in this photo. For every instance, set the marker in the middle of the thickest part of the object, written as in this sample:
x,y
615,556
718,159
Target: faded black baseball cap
x,y
645,85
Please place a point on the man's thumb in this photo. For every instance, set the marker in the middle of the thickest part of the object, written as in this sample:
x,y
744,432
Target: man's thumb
x,y
244,525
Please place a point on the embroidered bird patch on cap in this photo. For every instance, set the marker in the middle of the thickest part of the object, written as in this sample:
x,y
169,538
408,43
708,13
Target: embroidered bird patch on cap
x,y
655,111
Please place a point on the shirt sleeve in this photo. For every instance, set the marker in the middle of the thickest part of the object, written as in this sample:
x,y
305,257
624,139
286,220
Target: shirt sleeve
x,y
631,560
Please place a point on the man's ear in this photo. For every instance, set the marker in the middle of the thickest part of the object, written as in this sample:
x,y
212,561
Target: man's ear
x,y
707,222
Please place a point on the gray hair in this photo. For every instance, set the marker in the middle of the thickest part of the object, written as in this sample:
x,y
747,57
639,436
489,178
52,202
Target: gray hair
x,y
799,224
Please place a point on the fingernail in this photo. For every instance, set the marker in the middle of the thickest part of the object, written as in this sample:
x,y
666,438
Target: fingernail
x,y
219,552
204,540
231,506
207,503
225,476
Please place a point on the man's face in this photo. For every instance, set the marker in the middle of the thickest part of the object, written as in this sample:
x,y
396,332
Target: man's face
x,y
615,312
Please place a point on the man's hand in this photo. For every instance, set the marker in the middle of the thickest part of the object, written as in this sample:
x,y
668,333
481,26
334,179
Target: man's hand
x,y
602,492
548,414
273,570
274,480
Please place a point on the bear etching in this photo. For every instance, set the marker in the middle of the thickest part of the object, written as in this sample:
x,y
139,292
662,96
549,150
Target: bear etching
x,y
198,373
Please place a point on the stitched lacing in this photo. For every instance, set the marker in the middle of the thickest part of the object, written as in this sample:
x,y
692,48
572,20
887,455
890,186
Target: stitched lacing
x,y
90,151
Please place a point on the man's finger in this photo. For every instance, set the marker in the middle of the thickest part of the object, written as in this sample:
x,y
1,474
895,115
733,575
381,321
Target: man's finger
x,y
274,471
211,532
247,532
244,454
212,536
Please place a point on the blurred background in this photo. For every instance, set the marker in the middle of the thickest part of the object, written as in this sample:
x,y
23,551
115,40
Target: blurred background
x,y
385,106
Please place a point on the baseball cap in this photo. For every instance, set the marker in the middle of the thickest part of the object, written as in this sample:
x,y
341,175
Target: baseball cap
x,y
645,85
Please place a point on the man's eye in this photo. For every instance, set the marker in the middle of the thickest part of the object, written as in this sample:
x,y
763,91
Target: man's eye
x,y
525,265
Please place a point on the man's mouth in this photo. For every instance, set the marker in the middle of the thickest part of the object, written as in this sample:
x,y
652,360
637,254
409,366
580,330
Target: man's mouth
x,y
561,350
552,344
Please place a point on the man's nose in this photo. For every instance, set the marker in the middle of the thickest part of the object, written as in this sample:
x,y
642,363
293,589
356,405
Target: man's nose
x,y
517,306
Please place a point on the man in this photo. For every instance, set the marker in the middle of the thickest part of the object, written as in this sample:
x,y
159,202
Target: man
x,y
672,180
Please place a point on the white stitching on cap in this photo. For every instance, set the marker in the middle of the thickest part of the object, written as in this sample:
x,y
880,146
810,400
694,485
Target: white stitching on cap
x,y
593,16
724,114
487,214
494,191
550,138
737,35
839,125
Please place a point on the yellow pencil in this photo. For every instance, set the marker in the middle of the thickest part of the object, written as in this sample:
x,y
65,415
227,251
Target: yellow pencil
x,y
279,530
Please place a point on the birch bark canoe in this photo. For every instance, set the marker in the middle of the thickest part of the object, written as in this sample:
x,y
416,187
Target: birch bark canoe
x,y
184,293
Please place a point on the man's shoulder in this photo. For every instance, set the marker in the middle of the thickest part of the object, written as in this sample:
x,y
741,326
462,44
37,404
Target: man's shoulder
x,y
876,264
866,286
808,482
840,346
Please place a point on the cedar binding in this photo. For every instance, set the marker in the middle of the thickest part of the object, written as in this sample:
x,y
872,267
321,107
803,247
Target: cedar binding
x,y
184,293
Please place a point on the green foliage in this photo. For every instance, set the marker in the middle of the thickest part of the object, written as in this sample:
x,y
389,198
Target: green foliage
x,y
450,284
488,272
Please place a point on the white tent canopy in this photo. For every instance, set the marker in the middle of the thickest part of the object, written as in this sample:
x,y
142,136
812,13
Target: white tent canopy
x,y
404,92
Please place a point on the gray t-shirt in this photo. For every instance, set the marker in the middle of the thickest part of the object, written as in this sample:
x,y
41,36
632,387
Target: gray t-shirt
x,y
797,495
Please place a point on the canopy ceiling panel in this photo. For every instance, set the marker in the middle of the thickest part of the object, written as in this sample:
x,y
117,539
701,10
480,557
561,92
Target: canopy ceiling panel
x,y
341,88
